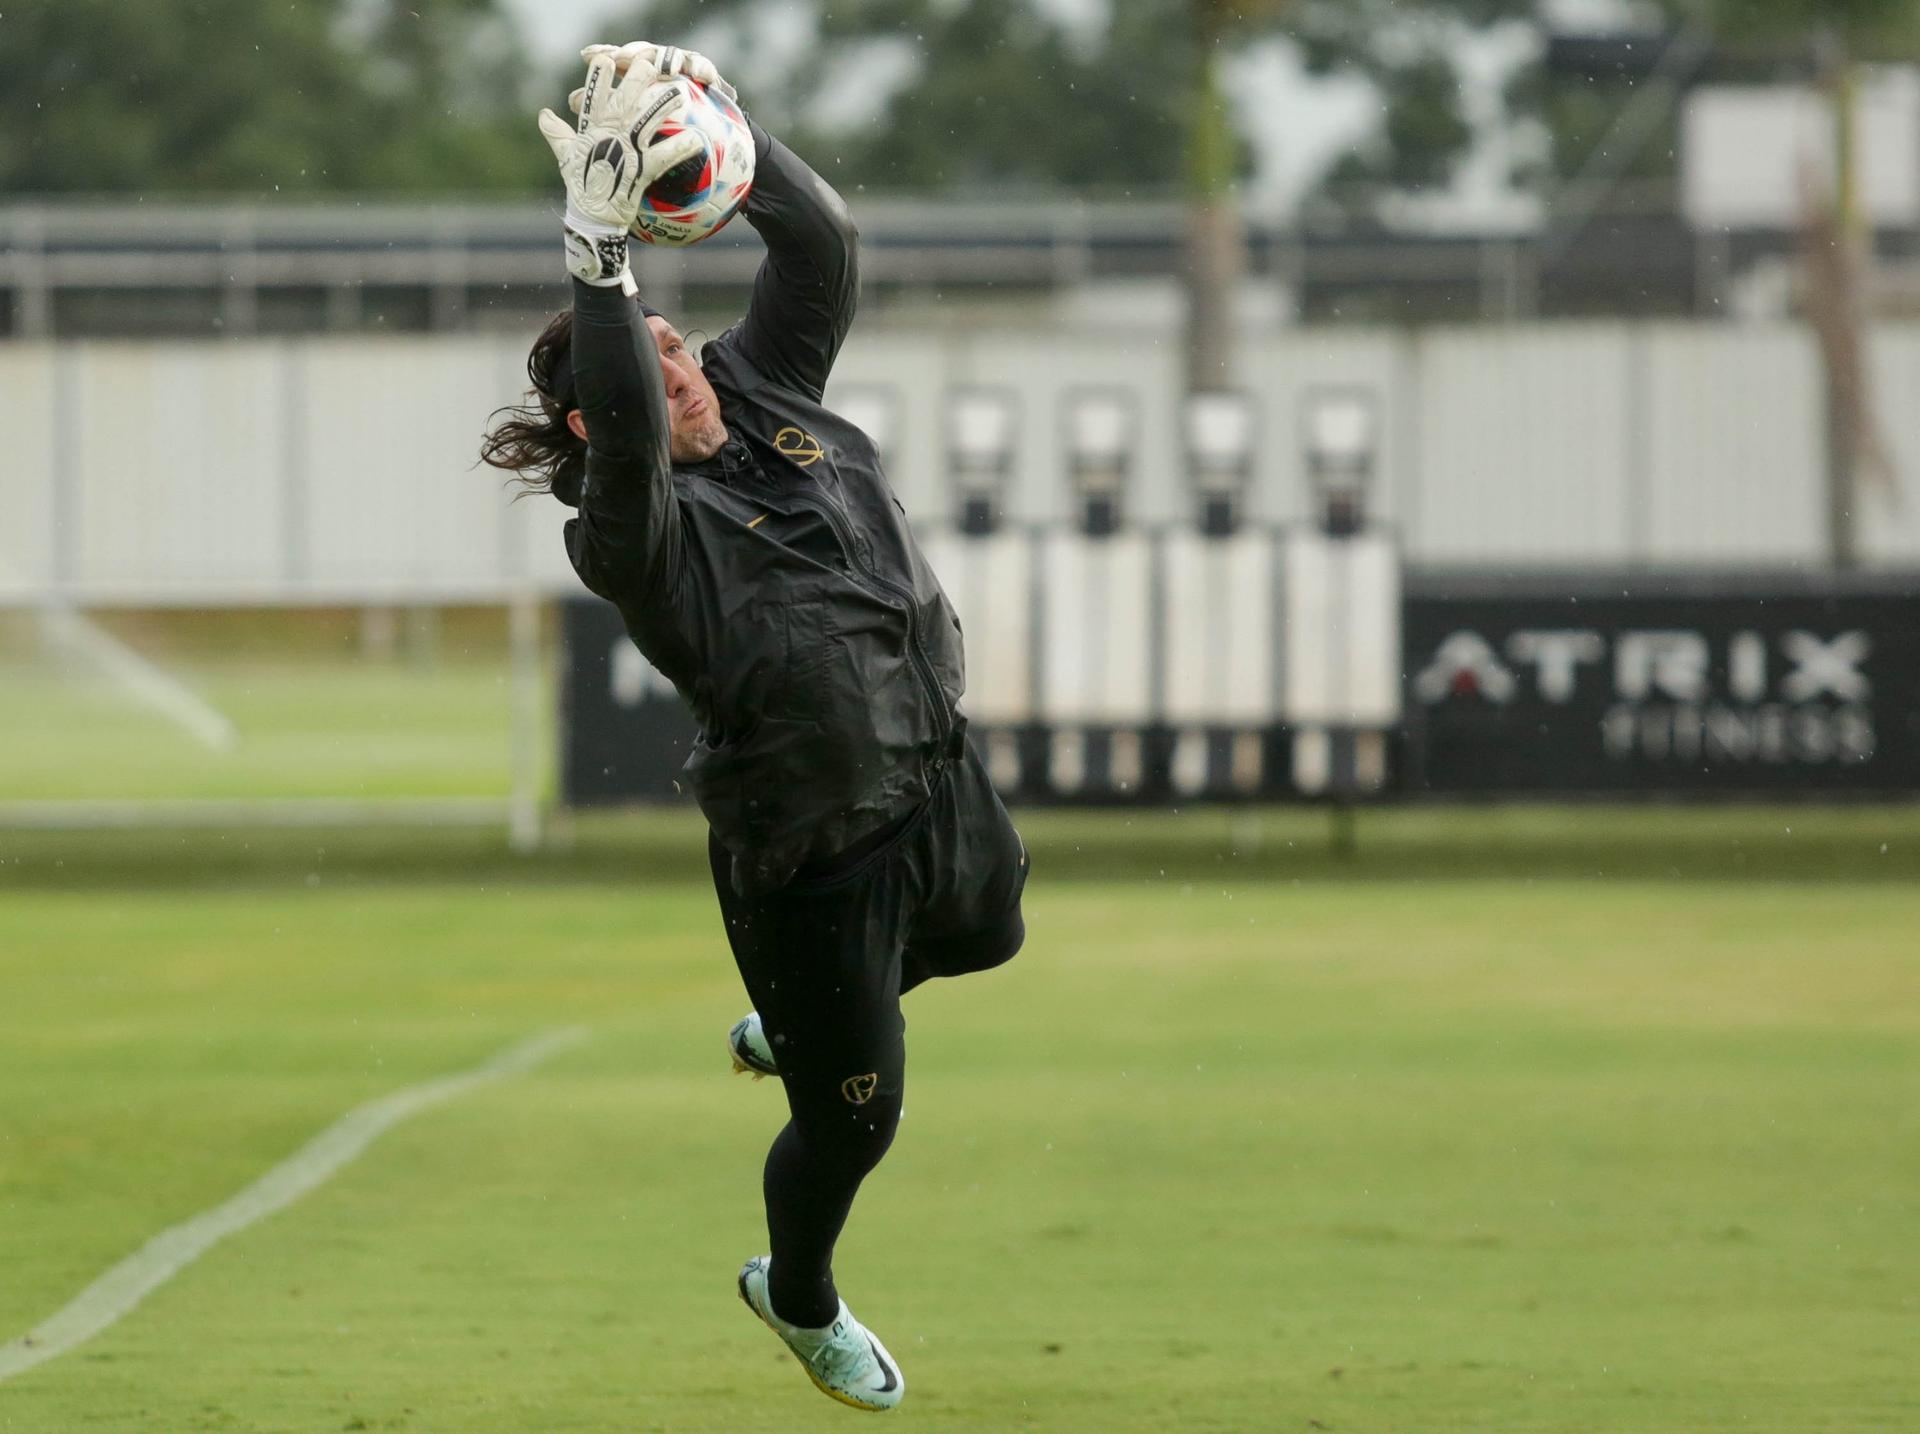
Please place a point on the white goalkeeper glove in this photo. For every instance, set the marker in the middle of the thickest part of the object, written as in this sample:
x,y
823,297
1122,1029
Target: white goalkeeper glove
x,y
608,161
662,62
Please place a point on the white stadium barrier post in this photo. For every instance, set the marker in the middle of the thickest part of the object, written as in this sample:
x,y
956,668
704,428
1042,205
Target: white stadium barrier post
x,y
987,571
1097,612
1341,609
1218,631
989,580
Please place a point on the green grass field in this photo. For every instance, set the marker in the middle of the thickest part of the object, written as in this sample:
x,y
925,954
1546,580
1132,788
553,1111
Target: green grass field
x,y
1511,1119
1384,1155
309,726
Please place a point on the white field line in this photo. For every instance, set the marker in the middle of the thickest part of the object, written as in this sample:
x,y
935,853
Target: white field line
x,y
104,1301
145,681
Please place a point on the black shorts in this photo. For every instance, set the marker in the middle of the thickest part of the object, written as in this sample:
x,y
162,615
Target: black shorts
x,y
826,957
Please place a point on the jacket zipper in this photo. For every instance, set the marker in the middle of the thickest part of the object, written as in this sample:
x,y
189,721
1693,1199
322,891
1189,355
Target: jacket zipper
x,y
921,662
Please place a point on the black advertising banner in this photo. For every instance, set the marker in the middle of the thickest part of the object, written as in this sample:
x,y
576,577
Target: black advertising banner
x,y
623,730
1729,685
1571,684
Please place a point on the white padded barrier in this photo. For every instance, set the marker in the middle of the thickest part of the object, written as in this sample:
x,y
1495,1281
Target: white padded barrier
x,y
1096,612
1096,615
1218,648
1217,653
989,580
28,416
1341,643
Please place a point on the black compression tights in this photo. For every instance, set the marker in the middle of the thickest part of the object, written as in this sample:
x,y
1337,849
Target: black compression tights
x,y
812,1173
819,1159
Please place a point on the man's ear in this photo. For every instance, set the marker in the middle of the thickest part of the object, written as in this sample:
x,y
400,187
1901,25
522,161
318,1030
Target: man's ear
x,y
577,424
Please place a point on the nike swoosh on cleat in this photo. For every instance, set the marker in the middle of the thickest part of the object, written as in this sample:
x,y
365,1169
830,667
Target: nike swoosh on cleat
x,y
892,1382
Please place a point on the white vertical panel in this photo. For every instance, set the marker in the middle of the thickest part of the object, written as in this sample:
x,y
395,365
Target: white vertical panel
x,y
1734,438
393,430
1371,631
1524,445
1890,520
1094,627
1217,642
1507,445
535,548
535,532
27,476
989,581
176,455
543,558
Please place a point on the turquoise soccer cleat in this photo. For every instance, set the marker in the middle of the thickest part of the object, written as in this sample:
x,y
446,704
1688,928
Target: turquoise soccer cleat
x,y
845,1359
747,1044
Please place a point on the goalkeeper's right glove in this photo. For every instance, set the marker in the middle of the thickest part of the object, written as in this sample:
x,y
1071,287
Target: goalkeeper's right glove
x,y
609,160
663,61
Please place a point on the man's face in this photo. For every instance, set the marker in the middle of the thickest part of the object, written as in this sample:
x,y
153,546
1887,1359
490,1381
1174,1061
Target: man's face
x,y
693,411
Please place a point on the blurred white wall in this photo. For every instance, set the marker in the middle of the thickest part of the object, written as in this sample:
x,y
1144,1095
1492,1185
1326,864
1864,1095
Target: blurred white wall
x,y
341,469
1747,152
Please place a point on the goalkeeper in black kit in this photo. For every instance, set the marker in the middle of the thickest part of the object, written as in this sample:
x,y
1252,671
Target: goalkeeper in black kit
x,y
762,563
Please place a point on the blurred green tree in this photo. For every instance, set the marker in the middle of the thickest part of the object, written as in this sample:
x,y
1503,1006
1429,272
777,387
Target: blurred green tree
x,y
1016,96
1409,53
184,96
1838,35
1619,120
1732,40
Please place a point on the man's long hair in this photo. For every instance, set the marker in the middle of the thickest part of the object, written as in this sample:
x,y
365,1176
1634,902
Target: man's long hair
x,y
532,440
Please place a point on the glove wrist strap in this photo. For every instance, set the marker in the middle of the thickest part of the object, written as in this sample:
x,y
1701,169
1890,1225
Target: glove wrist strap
x,y
597,254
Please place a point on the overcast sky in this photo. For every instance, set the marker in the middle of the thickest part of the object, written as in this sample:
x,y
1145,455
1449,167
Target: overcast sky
x,y
1298,124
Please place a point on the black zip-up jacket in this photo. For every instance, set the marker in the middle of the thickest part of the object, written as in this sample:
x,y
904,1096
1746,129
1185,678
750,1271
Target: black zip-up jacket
x,y
776,585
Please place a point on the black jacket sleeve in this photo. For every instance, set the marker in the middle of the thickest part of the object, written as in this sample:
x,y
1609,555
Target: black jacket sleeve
x,y
804,294
626,544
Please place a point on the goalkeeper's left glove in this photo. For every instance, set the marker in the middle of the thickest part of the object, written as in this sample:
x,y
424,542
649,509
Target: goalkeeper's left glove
x,y
608,162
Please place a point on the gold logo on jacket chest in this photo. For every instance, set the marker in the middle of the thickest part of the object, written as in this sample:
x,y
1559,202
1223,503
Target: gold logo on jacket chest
x,y
798,445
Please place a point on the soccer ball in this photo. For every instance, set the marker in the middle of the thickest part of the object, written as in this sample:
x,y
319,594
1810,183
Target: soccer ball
x,y
698,196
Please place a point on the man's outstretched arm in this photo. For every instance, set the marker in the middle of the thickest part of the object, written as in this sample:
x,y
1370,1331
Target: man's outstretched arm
x,y
805,292
626,543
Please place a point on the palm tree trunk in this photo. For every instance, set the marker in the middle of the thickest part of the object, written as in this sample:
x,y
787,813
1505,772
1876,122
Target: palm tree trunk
x,y
1838,255
1216,242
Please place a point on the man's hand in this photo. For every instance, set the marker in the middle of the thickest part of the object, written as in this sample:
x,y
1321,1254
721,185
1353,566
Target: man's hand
x,y
608,161
661,62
